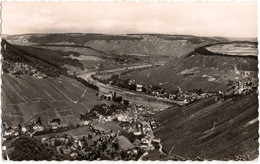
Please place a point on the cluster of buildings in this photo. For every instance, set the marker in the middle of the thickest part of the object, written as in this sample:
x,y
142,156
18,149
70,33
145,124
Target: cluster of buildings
x,y
24,69
110,96
186,97
241,87
181,97
136,127
136,121
32,129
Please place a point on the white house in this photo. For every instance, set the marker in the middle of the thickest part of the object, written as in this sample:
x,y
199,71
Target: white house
x,y
139,87
38,128
24,129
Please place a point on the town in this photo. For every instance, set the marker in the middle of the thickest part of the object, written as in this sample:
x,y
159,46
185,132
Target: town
x,y
122,131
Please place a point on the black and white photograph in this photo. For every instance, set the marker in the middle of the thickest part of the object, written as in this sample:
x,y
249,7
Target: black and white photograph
x,y
129,81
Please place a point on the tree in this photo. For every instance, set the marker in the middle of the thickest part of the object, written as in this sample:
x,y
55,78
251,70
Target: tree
x,y
27,148
39,121
199,92
19,127
119,99
82,117
143,89
132,87
126,102
115,145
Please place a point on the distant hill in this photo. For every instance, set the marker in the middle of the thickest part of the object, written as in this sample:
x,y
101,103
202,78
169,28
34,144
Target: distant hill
x,y
145,44
211,130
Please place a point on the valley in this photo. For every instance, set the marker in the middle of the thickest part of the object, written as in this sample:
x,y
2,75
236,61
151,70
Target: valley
x,y
129,97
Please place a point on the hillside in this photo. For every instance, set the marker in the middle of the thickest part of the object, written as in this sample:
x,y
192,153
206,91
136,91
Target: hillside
x,y
200,70
211,130
51,63
25,98
36,84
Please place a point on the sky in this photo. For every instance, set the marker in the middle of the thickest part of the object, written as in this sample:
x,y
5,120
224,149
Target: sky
x,y
228,19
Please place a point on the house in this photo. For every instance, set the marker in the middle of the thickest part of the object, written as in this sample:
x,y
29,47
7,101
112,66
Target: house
x,y
80,144
56,120
86,123
109,118
146,128
66,151
43,139
145,141
24,129
9,132
119,117
52,142
73,155
82,153
131,82
246,73
236,71
139,87
38,128
73,147
156,140
144,147
55,123
140,108
138,133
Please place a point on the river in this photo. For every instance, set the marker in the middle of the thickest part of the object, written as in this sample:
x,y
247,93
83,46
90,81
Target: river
x,y
134,97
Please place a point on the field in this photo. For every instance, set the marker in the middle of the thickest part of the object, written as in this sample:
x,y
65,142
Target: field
x,y
212,130
26,98
243,49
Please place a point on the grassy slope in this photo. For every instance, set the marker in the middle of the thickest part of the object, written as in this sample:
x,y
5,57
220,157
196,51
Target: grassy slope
x,y
184,130
25,98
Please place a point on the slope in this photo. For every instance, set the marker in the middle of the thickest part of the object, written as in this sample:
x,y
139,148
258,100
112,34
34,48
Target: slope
x,y
35,85
211,72
212,130
25,98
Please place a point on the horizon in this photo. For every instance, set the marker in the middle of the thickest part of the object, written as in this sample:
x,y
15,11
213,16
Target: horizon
x,y
211,19
130,34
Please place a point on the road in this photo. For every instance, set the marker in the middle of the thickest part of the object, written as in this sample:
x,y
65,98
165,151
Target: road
x,y
135,97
